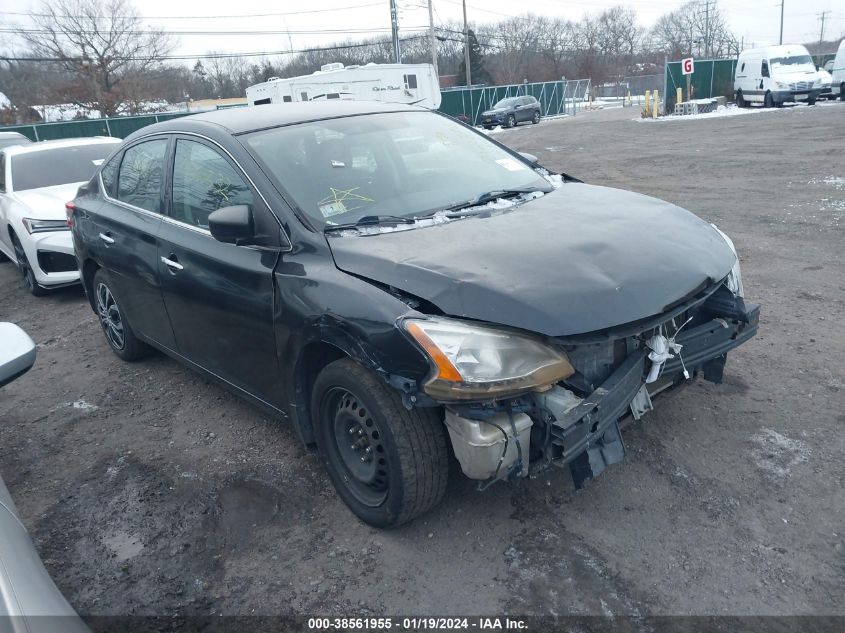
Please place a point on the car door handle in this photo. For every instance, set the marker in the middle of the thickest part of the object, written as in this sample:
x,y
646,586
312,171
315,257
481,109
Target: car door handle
x,y
106,238
172,264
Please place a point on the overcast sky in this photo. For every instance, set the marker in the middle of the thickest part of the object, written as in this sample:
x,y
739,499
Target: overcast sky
x,y
755,20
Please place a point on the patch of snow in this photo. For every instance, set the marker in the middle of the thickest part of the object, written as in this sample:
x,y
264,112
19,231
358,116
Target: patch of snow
x,y
82,405
834,181
442,217
555,180
777,454
4,102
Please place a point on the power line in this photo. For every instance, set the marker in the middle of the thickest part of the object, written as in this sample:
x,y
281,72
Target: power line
x,y
197,17
250,32
216,55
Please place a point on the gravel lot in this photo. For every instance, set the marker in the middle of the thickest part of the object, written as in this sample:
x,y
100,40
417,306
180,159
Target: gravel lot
x,y
149,491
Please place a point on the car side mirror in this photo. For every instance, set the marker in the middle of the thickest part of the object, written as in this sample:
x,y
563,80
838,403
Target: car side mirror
x,y
17,353
232,225
529,157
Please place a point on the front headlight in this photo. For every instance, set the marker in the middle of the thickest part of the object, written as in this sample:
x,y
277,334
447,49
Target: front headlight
x,y
471,362
734,280
33,225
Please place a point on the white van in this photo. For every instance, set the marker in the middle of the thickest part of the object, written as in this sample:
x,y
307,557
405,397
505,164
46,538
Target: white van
x,y
838,72
772,75
392,83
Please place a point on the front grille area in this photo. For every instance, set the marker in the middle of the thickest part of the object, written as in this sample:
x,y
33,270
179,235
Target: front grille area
x,y
800,85
52,262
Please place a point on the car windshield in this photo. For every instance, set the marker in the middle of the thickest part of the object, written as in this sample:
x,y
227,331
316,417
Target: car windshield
x,y
506,103
402,164
58,166
793,63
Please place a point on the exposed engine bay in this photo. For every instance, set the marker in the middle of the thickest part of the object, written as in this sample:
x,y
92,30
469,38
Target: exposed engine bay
x,y
575,422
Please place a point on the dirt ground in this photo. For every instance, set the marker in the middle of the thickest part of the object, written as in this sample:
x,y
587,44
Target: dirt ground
x,y
149,491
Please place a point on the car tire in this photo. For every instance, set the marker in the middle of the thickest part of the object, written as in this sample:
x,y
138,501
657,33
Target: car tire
x,y
768,101
116,328
511,121
740,100
811,101
387,463
25,268
842,91
536,118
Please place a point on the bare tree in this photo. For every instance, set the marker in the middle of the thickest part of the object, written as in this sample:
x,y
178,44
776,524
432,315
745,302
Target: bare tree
x,y
691,29
102,43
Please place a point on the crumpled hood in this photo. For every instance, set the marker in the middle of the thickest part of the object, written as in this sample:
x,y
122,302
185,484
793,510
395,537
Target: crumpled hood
x,y
577,260
48,203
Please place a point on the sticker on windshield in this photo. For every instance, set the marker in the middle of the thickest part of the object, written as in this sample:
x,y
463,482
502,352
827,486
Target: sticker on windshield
x,y
510,164
332,208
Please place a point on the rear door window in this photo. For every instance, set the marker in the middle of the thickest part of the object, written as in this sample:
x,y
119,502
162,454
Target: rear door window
x,y
140,175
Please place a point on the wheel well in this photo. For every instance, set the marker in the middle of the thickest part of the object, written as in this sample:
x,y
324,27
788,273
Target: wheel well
x,y
89,269
313,358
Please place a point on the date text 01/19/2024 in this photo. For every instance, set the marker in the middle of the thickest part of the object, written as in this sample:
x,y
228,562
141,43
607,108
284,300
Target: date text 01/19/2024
x,y
427,623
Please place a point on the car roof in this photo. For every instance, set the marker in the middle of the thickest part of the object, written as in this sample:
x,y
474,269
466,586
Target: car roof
x,y
252,118
12,135
65,142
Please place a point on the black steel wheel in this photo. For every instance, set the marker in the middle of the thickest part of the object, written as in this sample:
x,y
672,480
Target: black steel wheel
x,y
116,328
24,266
768,101
388,464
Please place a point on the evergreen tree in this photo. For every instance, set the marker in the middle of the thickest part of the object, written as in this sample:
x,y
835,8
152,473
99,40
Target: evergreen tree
x,y
478,71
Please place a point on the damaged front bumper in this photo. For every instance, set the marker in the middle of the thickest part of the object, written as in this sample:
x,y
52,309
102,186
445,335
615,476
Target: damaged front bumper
x,y
588,438
582,431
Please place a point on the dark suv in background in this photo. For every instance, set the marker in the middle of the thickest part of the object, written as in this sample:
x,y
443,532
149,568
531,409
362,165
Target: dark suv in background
x,y
510,111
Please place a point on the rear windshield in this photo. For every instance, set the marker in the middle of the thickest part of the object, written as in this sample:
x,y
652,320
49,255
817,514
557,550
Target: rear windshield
x,y
7,141
59,166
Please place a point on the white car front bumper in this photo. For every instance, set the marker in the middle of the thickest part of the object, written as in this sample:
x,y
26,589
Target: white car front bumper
x,y
51,257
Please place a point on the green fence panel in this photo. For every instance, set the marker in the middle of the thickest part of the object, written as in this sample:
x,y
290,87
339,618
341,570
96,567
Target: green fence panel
x,y
712,78
555,97
119,127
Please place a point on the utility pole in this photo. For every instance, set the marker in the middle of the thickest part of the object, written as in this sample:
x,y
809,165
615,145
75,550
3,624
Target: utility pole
x,y
821,35
394,27
466,46
707,29
780,40
431,41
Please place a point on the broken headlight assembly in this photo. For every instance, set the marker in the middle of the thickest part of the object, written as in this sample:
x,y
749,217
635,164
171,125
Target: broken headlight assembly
x,y
734,279
472,362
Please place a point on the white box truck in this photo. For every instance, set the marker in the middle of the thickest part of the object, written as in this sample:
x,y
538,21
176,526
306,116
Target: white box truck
x,y
772,75
837,71
391,83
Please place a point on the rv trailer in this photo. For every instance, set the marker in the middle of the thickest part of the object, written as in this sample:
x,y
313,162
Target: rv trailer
x,y
415,84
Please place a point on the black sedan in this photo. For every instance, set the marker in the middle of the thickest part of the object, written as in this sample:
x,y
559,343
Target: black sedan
x,y
403,288
511,111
